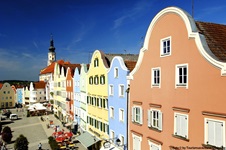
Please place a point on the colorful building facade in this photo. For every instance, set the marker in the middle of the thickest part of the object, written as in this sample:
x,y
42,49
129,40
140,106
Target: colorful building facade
x,y
177,87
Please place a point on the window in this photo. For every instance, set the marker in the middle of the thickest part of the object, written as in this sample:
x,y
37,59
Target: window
x,y
115,72
111,112
182,75
136,142
111,90
181,125
112,135
166,46
155,119
91,80
102,79
137,114
121,115
215,132
96,80
121,90
96,62
154,146
156,77
122,139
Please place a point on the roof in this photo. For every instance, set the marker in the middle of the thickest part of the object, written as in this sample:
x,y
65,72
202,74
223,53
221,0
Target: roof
x,y
1,84
126,57
215,35
50,68
130,65
39,85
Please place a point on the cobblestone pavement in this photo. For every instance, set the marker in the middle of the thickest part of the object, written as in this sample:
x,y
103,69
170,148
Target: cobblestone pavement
x,y
34,129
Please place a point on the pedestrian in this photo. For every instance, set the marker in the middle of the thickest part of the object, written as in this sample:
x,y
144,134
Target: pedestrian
x,y
39,146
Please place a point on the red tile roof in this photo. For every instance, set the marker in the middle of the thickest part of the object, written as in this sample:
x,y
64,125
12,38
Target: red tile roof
x,y
39,85
130,65
215,35
1,84
50,68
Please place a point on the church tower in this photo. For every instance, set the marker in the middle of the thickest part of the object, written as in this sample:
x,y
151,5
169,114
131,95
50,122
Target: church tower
x,y
51,53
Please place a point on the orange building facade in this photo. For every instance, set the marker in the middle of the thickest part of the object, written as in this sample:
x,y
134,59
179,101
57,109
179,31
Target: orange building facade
x,y
177,89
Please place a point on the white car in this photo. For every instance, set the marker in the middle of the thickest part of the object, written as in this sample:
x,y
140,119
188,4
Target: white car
x,y
13,116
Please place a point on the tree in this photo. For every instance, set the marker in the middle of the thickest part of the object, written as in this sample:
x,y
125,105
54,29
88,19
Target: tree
x,y
7,134
21,143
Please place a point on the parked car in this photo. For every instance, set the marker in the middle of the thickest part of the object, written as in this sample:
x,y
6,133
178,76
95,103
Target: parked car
x,y
13,116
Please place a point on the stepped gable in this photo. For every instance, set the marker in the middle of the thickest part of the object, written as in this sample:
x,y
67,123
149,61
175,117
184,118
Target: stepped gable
x,y
215,35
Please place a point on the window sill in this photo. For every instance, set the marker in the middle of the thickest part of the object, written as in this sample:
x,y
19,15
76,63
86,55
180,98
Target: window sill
x,y
211,146
154,129
180,137
137,123
181,85
165,54
155,85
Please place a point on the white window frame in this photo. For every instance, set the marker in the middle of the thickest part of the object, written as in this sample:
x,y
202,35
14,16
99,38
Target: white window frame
x,y
153,82
215,140
122,139
121,91
112,112
182,124
112,135
137,118
162,54
136,146
121,115
152,119
111,89
151,144
177,79
116,72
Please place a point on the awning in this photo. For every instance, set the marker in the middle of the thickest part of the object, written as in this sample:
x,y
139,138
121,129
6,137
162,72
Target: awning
x,y
87,139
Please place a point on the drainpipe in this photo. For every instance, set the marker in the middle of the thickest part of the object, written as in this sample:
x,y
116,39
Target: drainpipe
x,y
127,113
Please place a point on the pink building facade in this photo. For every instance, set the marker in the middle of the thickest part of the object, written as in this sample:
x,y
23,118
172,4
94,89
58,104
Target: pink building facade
x,y
177,89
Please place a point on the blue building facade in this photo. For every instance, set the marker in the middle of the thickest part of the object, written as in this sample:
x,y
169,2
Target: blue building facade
x,y
77,96
20,95
117,98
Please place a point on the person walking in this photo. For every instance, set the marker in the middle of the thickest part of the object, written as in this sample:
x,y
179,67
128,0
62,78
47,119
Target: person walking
x,y
39,146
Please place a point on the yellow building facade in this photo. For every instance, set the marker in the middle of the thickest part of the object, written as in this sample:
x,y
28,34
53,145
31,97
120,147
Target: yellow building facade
x,y
7,96
97,96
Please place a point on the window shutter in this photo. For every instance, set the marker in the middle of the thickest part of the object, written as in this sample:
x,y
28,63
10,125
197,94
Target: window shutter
x,y
160,120
184,126
149,118
141,116
133,114
219,134
211,132
177,131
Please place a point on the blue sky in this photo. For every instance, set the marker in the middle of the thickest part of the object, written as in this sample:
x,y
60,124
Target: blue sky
x,y
80,27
